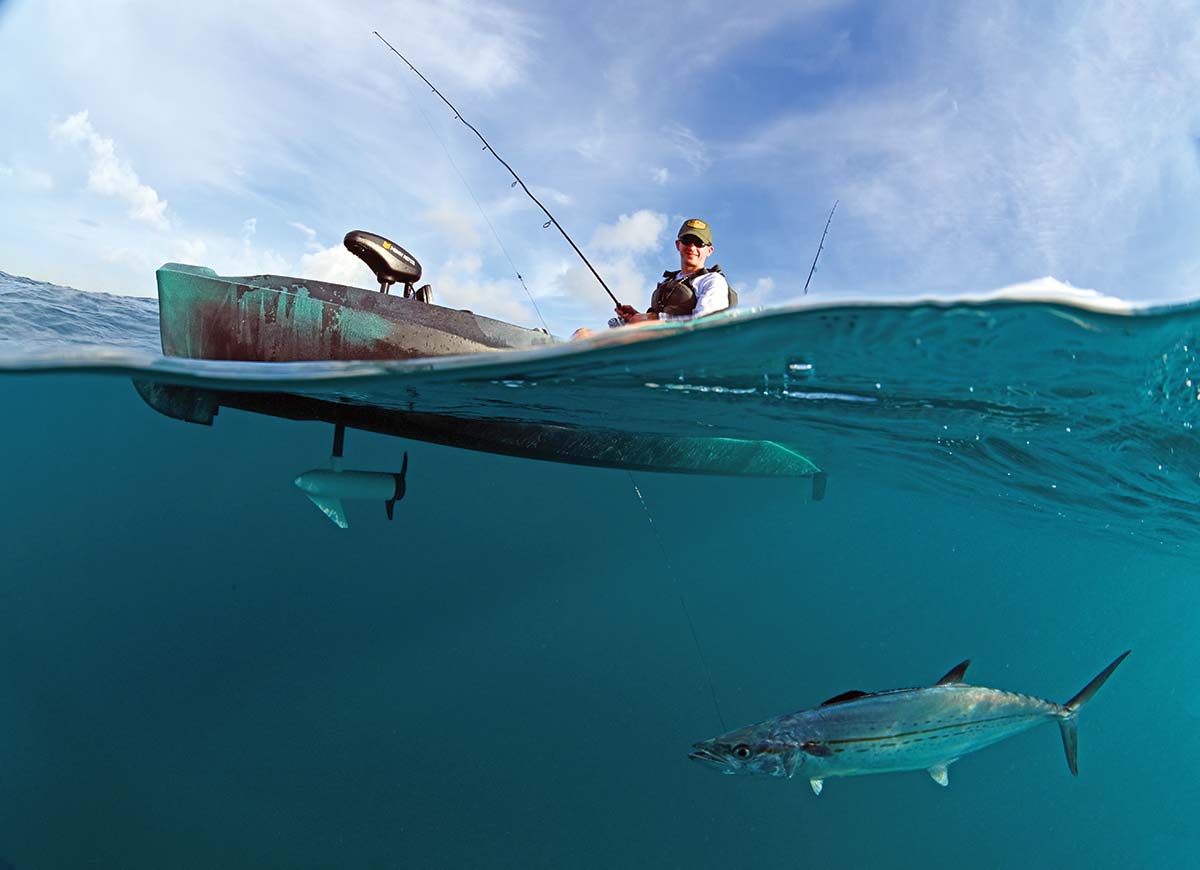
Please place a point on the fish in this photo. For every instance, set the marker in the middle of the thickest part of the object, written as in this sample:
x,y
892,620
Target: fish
x,y
928,728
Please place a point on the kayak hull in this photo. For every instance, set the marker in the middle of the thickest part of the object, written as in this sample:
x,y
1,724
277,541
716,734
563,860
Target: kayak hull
x,y
270,318
593,447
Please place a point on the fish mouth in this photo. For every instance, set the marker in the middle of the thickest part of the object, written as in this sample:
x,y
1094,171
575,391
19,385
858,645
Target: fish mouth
x,y
704,755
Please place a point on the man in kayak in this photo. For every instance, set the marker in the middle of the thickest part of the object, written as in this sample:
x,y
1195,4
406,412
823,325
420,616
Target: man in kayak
x,y
691,292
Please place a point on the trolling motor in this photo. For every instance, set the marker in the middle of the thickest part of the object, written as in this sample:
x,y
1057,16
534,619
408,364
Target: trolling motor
x,y
390,263
326,487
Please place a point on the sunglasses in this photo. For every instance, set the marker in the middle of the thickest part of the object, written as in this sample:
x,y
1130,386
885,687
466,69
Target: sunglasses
x,y
693,241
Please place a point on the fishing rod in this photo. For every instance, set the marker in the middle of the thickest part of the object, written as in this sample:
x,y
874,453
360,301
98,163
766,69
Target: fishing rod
x,y
487,147
821,246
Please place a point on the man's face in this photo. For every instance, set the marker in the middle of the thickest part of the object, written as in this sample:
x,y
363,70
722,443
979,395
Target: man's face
x,y
692,253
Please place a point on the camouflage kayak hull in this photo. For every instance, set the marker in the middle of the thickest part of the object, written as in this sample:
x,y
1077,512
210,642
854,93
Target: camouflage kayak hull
x,y
270,318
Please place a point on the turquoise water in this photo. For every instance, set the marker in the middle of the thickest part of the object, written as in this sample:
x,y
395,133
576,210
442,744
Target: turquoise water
x,y
203,671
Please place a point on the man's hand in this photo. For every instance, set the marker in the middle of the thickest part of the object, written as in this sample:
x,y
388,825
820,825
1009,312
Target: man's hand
x,y
626,313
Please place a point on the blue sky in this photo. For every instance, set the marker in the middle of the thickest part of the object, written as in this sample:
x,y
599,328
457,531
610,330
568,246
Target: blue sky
x,y
971,145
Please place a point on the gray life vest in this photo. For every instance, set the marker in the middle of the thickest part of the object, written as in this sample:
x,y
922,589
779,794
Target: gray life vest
x,y
676,296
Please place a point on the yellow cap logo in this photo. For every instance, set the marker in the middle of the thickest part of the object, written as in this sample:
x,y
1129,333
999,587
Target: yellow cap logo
x,y
696,225
387,246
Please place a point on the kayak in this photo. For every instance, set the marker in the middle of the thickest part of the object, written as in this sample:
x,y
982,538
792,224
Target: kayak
x,y
277,319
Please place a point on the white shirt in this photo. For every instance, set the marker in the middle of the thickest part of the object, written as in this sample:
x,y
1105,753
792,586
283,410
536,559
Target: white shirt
x,y
712,295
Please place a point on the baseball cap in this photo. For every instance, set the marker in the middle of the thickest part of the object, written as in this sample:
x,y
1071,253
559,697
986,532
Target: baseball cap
x,y
695,227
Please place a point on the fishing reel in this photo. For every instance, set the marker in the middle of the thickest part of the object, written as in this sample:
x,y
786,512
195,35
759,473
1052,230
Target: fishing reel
x,y
390,263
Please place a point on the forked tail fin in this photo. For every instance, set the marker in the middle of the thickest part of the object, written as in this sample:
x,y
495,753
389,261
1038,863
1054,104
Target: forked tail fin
x,y
1066,724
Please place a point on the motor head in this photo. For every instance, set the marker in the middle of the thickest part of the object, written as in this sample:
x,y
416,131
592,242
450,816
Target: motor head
x,y
390,262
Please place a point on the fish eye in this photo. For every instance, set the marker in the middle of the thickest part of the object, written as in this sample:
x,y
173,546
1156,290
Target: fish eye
x,y
741,751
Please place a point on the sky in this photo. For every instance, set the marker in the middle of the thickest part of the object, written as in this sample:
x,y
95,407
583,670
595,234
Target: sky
x,y
970,145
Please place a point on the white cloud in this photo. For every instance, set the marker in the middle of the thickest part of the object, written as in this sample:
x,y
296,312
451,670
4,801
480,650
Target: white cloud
x,y
622,275
337,266
660,176
247,260
249,227
1015,145
108,175
461,283
759,294
632,233
189,251
454,226
481,45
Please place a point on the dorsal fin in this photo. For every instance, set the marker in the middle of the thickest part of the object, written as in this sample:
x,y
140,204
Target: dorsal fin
x,y
955,674
845,696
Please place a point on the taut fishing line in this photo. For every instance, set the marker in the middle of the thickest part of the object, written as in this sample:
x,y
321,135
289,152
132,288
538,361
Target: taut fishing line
x,y
682,601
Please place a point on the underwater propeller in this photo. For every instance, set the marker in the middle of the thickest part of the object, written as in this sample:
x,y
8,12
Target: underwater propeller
x,y
327,487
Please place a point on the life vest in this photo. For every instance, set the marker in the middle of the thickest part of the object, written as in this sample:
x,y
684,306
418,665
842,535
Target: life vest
x,y
676,296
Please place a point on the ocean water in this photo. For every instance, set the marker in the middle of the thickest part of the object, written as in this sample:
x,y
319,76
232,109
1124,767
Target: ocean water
x,y
200,670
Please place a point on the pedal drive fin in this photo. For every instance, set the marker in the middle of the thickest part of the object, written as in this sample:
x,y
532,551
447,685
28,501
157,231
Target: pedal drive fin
x,y
940,774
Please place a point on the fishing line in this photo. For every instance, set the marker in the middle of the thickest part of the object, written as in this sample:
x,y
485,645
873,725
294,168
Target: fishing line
x,y
682,601
487,147
479,206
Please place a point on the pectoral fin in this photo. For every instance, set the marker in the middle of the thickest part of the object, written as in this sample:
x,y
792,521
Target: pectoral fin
x,y
817,785
791,763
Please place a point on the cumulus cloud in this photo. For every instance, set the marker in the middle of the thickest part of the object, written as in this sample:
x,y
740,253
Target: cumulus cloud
x,y
248,260
108,175
758,294
461,283
337,266
632,233
454,226
190,251
622,275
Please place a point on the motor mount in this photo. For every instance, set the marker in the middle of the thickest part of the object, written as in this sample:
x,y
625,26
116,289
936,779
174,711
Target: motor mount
x,y
390,263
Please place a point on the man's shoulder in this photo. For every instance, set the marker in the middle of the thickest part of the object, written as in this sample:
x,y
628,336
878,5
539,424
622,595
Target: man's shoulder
x,y
710,279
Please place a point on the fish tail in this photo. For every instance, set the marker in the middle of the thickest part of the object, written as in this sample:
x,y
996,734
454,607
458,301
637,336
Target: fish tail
x,y
1066,722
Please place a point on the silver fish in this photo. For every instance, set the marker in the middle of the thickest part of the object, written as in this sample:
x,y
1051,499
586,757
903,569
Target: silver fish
x,y
927,729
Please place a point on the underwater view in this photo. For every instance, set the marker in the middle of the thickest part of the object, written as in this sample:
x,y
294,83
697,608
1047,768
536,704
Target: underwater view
x,y
203,670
